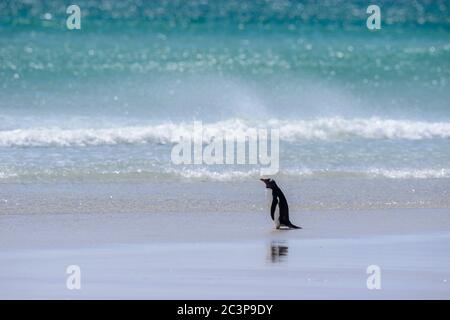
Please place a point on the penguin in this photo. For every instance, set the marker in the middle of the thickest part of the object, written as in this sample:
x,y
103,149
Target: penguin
x,y
279,210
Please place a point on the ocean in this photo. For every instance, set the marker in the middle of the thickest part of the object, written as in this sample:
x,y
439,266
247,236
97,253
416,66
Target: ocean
x,y
106,103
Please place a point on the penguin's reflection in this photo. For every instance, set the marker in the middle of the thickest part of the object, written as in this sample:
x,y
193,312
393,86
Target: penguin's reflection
x,y
278,251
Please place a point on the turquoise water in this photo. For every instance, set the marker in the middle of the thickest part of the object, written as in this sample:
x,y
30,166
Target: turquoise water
x,y
104,102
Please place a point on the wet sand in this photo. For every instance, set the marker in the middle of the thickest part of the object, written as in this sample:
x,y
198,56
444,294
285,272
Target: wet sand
x,y
227,255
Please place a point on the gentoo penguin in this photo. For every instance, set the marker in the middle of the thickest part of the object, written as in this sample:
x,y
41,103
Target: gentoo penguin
x,y
279,210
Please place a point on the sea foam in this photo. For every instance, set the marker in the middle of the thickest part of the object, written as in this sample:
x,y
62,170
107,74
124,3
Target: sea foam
x,y
168,132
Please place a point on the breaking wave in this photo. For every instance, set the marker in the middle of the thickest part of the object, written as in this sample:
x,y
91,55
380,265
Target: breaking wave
x,y
291,130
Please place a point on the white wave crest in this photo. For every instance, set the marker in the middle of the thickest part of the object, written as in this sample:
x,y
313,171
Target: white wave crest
x,y
169,132
370,128
232,175
203,174
7,175
413,173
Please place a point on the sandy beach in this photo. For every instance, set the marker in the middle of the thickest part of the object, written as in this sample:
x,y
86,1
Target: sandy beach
x,y
226,255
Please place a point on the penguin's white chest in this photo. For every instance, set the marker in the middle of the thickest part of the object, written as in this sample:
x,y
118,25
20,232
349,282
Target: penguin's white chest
x,y
276,217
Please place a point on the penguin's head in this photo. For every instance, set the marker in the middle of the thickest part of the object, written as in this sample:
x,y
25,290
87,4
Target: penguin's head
x,y
270,183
